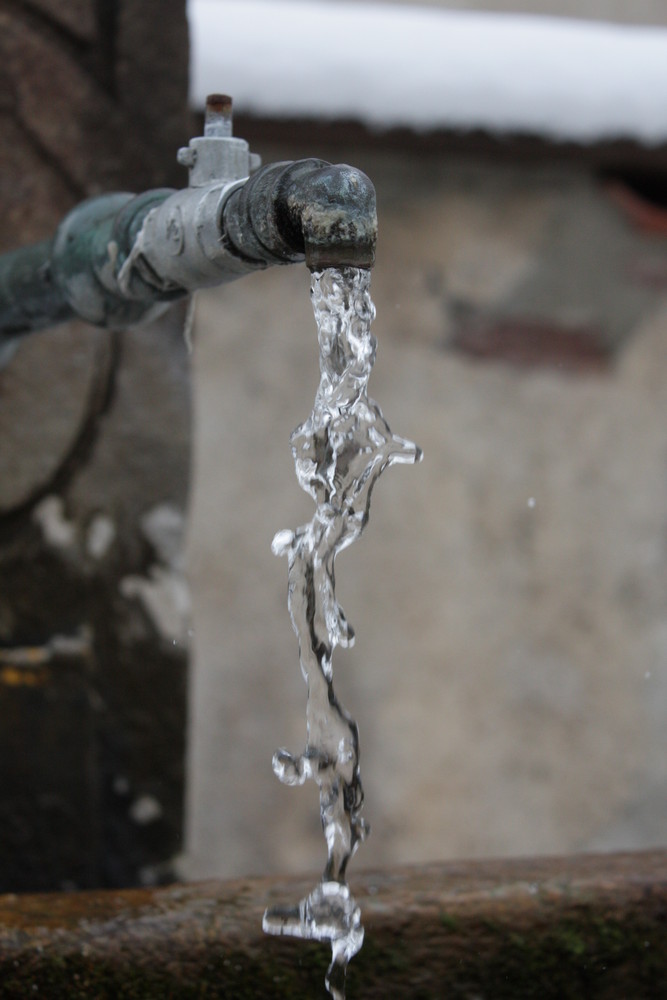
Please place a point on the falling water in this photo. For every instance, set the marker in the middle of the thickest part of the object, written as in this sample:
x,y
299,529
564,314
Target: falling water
x,y
339,452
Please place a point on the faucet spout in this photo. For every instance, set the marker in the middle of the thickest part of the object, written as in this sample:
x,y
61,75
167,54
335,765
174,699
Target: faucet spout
x,y
120,259
309,209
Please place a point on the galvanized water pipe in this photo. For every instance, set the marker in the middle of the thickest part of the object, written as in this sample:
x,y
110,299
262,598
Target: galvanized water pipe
x,y
121,259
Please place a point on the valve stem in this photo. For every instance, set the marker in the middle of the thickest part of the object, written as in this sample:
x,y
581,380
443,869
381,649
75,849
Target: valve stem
x,y
218,116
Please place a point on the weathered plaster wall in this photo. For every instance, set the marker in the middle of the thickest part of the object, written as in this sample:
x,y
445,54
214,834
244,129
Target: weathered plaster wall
x,y
510,671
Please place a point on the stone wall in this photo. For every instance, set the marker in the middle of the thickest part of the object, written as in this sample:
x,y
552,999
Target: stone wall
x,y
94,453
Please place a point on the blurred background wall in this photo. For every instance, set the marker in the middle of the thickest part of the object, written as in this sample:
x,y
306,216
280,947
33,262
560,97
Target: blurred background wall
x,y
510,671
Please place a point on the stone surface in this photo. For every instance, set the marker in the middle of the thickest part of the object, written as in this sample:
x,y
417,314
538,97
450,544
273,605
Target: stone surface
x,y
77,16
64,560
118,113
94,439
48,400
553,928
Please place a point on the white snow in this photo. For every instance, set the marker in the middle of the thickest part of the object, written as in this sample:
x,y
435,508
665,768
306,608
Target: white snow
x,y
427,68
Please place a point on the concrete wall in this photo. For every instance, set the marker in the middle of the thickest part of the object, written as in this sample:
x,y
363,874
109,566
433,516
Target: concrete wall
x,y
618,11
510,671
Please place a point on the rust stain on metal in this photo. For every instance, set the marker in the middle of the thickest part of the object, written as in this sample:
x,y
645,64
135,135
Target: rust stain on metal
x,y
219,103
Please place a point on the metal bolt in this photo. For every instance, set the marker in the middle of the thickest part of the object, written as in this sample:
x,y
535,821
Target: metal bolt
x,y
187,157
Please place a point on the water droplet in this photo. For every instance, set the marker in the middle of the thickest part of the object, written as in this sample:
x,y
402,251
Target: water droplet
x,y
532,502
647,674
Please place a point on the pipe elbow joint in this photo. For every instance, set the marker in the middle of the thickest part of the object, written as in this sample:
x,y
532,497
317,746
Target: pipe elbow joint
x,y
309,209
332,209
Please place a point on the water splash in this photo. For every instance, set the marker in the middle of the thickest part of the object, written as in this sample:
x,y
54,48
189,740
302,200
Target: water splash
x,y
339,452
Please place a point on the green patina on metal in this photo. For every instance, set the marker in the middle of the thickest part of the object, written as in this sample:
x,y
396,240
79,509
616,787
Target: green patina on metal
x,y
119,259
40,285
28,296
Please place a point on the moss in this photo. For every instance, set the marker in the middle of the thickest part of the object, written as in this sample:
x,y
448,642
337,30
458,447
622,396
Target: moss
x,y
584,957
572,941
571,960
449,922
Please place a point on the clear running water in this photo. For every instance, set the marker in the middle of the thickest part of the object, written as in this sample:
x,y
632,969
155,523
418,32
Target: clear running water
x,y
339,452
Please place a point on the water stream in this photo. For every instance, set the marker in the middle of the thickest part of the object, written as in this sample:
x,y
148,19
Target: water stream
x,y
339,452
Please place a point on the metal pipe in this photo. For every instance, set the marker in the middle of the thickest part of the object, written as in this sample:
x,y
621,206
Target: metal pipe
x,y
120,259
30,298
310,210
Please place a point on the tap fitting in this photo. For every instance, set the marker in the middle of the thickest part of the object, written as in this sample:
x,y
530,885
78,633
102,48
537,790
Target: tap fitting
x,y
119,259
217,155
284,213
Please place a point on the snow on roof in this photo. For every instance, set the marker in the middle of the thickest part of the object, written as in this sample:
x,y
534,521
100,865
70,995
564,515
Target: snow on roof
x,y
427,68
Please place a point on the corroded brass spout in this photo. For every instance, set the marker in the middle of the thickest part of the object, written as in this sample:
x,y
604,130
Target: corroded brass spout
x,y
310,210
